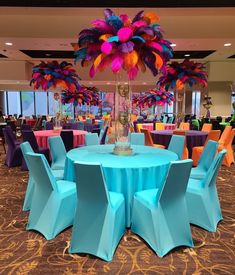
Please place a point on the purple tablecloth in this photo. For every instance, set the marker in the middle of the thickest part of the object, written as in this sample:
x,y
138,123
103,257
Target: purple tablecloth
x,y
193,138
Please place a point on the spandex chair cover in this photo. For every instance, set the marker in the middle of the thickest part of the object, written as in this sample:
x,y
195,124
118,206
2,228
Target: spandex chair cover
x,y
58,152
92,139
176,145
137,138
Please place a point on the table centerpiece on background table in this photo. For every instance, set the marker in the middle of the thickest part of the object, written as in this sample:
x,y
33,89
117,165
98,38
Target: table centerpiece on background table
x,y
56,77
179,75
126,46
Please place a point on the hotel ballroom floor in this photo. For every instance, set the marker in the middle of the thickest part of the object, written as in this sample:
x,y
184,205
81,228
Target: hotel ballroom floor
x,y
27,252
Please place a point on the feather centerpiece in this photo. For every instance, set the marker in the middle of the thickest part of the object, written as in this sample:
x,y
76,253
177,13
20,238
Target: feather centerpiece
x,y
86,95
154,97
178,74
52,74
121,43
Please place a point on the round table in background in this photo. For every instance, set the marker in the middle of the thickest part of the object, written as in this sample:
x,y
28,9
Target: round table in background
x,y
42,137
193,138
145,169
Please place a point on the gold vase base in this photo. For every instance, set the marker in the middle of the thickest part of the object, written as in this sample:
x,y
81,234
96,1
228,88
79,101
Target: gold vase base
x,y
122,151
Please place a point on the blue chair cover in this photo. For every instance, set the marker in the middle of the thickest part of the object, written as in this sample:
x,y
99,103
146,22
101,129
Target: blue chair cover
x,y
80,125
165,118
53,203
101,124
205,160
91,139
176,145
137,138
160,215
170,119
89,120
202,198
58,174
104,135
99,221
58,152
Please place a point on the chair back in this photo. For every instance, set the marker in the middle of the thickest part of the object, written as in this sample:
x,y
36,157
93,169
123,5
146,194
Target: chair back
x,y
96,130
67,137
91,187
10,132
88,127
49,125
208,155
213,135
184,126
212,172
80,125
165,118
8,137
91,139
89,120
225,135
182,133
57,148
159,126
207,127
137,138
74,125
176,182
26,148
41,173
139,127
147,137
26,127
67,126
101,124
29,136
231,137
170,119
103,138
176,145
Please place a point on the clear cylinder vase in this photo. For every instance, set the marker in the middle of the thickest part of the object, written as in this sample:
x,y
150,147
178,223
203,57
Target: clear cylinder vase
x,y
58,110
122,117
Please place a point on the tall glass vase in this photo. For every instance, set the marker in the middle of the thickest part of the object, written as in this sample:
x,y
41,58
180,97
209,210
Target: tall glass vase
x,y
58,112
180,106
122,117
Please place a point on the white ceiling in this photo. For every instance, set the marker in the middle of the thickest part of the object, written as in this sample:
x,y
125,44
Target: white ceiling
x,y
57,28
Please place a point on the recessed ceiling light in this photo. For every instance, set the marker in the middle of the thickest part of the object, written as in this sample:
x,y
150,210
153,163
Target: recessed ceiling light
x,y
108,83
227,44
47,54
173,45
9,43
144,83
90,82
187,55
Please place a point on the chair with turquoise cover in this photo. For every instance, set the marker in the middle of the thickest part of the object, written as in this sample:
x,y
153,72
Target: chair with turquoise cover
x,y
137,138
92,139
53,203
58,174
160,215
58,152
170,119
99,222
80,125
202,198
89,120
176,145
205,160
101,124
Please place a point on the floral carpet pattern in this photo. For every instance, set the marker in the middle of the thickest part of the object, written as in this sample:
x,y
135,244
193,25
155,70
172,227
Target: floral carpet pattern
x,y
27,252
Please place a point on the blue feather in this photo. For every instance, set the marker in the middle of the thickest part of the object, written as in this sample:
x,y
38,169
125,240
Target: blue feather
x,y
113,39
115,22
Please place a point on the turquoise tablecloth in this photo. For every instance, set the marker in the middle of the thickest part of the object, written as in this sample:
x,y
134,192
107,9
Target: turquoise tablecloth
x,y
145,169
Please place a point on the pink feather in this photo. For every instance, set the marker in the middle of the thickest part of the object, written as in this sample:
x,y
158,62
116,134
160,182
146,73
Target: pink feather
x,y
156,46
102,25
132,73
92,71
139,24
117,64
124,34
106,47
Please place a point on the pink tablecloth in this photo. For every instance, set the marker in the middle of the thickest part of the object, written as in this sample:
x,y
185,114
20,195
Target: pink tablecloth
x,y
148,126
42,137
169,126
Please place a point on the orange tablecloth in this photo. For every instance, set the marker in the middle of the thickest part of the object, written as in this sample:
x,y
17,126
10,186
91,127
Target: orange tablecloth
x,y
42,137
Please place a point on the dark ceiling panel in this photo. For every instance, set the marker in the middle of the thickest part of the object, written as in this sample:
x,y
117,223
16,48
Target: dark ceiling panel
x,y
49,54
193,54
232,56
118,3
2,56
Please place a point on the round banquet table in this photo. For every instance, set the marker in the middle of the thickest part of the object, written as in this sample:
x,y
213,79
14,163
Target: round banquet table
x,y
145,169
42,137
193,138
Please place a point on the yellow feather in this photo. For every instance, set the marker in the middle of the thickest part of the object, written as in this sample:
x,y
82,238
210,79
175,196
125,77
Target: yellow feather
x,y
98,60
158,61
130,60
152,17
105,37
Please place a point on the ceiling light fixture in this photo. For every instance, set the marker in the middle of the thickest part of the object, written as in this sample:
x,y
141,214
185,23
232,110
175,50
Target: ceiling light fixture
x,y
187,55
144,83
108,83
173,45
9,43
227,44
47,54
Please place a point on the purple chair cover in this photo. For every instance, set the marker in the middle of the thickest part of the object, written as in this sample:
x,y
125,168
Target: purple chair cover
x,y
25,127
96,130
102,140
193,138
14,154
12,134
88,127
67,137
29,136
75,126
67,126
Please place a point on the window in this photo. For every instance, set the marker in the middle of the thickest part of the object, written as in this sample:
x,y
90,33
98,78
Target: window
x,y
196,99
13,99
41,103
27,103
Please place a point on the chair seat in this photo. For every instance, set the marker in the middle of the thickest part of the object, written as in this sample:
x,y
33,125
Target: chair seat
x,y
195,184
65,186
58,174
147,197
59,165
116,199
197,173
159,146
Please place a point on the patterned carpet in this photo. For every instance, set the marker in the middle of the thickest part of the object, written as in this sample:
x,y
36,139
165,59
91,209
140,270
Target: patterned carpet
x,y
27,252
